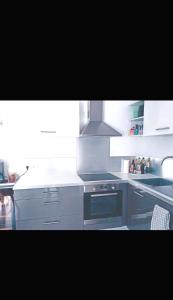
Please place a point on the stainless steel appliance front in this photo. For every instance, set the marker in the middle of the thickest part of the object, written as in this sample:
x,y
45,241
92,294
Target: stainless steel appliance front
x,y
103,204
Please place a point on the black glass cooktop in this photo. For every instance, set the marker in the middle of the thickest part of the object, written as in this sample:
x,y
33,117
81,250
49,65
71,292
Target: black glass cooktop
x,y
98,177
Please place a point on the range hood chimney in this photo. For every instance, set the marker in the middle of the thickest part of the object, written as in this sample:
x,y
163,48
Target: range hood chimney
x,y
91,120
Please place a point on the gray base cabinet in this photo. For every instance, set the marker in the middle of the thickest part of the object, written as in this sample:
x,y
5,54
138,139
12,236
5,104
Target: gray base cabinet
x,y
49,209
140,208
74,222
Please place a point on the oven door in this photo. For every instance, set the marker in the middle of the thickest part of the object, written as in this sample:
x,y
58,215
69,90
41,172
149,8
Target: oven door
x,y
103,205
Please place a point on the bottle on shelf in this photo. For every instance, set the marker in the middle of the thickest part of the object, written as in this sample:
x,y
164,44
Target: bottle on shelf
x,y
148,165
132,167
140,129
138,165
136,132
132,130
136,129
143,163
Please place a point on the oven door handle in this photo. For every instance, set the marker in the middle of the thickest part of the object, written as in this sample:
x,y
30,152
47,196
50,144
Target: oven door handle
x,y
103,195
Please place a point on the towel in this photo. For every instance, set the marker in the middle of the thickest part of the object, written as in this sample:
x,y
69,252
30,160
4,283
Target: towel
x,y
160,219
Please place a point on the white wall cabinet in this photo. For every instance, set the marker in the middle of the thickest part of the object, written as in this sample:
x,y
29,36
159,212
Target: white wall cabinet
x,y
158,118
31,117
165,120
59,116
117,114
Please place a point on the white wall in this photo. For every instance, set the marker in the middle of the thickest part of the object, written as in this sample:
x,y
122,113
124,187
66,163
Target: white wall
x,y
116,114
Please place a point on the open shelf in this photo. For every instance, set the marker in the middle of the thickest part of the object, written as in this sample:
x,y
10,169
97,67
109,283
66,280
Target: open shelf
x,y
136,118
135,135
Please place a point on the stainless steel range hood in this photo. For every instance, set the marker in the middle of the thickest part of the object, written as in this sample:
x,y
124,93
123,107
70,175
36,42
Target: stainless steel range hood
x,y
91,120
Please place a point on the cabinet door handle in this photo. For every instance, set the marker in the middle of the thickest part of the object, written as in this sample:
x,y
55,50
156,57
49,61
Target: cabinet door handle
x,y
51,202
142,192
104,195
142,215
138,194
48,131
50,192
162,128
142,210
51,222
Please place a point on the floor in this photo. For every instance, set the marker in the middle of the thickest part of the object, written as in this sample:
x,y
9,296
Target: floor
x,y
6,214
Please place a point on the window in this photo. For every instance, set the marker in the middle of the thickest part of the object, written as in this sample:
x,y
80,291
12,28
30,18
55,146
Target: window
x,y
23,144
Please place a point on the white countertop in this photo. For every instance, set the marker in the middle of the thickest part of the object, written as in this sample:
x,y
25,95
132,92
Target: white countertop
x,y
130,179
40,178
130,176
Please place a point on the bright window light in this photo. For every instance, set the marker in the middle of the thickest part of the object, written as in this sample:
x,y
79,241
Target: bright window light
x,y
22,140
167,168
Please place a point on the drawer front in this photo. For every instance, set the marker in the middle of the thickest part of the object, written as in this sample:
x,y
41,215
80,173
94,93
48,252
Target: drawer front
x,y
36,193
141,201
74,222
72,200
141,218
42,224
37,209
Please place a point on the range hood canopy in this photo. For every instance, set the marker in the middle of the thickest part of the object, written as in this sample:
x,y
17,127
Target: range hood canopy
x,y
91,120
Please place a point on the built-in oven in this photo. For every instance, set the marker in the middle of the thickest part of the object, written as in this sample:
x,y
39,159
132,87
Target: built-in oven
x,y
103,206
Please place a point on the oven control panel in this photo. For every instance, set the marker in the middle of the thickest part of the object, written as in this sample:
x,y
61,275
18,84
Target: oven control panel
x,y
100,188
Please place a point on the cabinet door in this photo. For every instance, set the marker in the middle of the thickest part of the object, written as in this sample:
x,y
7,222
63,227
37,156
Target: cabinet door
x,y
158,117
140,207
164,124
61,117
31,117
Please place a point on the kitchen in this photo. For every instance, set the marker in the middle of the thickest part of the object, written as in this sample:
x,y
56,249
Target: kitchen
x,y
87,165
